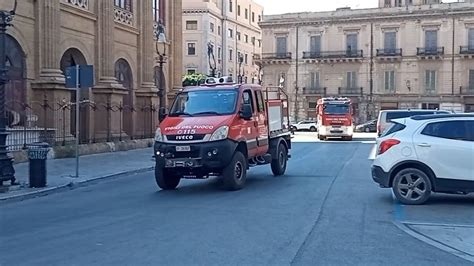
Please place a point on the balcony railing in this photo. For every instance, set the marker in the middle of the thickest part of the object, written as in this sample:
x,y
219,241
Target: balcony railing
x,y
276,55
351,91
314,91
466,50
334,54
429,51
469,90
389,52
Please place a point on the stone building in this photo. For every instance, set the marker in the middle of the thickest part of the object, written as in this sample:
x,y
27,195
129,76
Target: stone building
x,y
404,54
117,38
231,27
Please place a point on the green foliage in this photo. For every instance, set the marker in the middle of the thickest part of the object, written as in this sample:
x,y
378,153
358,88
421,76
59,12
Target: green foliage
x,y
193,79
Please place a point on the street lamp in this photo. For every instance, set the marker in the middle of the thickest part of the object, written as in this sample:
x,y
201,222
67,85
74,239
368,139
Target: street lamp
x,y
212,59
160,46
241,60
7,172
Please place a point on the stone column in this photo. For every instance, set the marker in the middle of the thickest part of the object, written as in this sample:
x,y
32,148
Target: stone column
x,y
147,94
108,92
49,27
49,88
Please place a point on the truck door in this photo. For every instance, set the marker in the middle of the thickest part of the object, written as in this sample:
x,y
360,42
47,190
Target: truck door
x,y
262,123
250,127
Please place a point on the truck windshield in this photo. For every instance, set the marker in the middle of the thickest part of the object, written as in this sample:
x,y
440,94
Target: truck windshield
x,y
205,102
336,109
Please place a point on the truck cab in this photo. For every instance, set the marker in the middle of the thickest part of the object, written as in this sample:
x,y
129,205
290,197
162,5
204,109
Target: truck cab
x,y
221,129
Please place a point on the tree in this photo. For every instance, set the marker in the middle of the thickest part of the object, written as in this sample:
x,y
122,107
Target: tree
x,y
194,79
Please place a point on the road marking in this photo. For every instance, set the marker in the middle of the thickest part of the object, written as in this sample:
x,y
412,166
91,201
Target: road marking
x,y
372,153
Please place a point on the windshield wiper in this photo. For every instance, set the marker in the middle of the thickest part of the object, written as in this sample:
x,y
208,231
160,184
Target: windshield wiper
x,y
207,113
180,113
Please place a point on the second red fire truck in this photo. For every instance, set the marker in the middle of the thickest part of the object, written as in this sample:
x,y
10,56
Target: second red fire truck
x,y
334,115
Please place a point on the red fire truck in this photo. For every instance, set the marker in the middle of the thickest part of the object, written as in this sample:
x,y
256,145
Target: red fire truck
x,y
221,129
334,118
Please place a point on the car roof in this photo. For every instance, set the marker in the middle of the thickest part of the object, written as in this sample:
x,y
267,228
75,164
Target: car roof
x,y
439,116
414,110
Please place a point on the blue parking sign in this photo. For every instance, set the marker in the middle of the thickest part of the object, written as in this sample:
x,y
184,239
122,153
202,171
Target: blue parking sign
x,y
86,76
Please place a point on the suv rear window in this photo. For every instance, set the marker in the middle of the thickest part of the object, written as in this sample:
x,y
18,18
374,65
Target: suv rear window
x,y
394,128
404,114
456,130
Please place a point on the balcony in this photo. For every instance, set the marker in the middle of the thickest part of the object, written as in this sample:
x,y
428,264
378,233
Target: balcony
x,y
275,58
467,91
430,53
333,56
314,91
350,91
389,54
467,51
276,55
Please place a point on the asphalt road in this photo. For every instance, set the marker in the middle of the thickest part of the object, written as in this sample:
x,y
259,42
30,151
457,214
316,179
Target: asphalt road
x,y
325,211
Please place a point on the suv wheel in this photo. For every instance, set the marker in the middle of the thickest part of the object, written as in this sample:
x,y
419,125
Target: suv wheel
x,y
312,129
412,186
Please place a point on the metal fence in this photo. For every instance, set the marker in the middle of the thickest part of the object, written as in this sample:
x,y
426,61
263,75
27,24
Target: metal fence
x,y
55,122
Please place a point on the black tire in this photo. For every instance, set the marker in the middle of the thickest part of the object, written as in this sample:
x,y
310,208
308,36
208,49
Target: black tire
x,y
367,130
312,129
165,180
412,182
349,138
322,138
279,164
235,174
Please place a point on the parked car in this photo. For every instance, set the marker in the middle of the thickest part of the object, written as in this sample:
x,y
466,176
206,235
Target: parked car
x,y
428,153
386,116
370,126
305,125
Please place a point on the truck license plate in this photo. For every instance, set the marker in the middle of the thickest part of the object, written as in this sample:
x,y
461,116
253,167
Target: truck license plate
x,y
183,148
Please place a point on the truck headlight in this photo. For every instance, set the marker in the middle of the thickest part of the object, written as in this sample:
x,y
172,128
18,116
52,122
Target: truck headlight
x,y
158,135
220,133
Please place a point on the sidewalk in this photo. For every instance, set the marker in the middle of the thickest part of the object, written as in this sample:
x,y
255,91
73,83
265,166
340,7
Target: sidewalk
x,y
61,172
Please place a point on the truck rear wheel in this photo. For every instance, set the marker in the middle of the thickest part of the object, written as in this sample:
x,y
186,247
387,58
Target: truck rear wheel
x,y
235,174
279,164
166,180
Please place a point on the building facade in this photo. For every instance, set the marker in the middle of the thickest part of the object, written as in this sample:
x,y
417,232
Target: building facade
x,y
224,30
117,38
404,54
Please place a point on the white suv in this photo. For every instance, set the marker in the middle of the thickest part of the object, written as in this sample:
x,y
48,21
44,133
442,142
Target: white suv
x,y
305,125
424,154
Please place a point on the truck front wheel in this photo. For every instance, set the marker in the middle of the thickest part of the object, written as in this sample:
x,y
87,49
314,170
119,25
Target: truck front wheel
x,y
279,163
235,174
166,180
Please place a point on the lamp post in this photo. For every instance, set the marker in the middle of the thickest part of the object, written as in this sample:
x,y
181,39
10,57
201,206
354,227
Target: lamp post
x,y
212,59
160,46
7,172
241,59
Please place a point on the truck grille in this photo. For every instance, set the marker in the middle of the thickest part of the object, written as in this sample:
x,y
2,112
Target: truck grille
x,y
185,137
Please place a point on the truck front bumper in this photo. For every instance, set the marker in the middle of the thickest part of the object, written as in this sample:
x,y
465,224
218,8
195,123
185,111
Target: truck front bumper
x,y
194,158
330,131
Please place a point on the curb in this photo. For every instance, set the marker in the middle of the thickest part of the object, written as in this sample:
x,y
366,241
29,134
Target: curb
x,y
70,186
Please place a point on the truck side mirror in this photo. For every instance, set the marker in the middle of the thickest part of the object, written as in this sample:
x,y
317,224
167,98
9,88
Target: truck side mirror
x,y
161,114
246,111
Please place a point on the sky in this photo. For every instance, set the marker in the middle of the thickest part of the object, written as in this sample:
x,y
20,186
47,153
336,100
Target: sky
x,y
283,6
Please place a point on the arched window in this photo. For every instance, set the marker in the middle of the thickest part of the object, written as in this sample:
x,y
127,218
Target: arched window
x,y
15,89
158,7
123,74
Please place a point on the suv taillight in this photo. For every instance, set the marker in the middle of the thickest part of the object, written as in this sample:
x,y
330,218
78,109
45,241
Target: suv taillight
x,y
387,144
